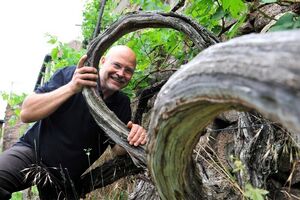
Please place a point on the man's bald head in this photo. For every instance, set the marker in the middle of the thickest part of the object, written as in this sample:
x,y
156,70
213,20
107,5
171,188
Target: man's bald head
x,y
122,50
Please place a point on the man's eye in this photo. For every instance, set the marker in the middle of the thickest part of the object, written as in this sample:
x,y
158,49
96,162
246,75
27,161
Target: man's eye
x,y
129,71
117,66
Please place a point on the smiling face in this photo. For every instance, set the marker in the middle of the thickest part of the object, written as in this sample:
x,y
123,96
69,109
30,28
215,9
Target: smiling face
x,y
117,68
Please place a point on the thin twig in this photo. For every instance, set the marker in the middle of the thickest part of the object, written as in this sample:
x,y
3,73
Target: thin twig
x,y
224,29
101,11
178,5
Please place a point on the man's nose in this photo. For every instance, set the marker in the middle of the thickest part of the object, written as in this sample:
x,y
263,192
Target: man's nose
x,y
121,72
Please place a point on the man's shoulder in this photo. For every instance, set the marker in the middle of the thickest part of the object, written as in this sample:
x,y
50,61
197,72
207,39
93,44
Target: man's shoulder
x,y
68,69
66,72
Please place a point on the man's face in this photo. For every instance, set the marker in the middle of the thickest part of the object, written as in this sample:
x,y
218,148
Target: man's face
x,y
116,70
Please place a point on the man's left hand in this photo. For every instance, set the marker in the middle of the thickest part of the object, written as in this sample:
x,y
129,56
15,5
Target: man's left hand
x,y
137,135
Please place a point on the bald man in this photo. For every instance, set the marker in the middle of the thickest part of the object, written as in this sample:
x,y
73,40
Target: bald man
x,y
65,139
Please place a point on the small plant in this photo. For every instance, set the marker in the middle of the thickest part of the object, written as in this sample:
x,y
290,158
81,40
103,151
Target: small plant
x,y
255,193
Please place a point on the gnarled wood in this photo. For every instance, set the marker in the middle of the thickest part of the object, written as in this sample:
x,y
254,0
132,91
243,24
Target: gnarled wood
x,y
260,72
129,23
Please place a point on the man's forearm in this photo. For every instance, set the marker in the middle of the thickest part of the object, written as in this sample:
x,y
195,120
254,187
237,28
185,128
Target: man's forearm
x,y
39,106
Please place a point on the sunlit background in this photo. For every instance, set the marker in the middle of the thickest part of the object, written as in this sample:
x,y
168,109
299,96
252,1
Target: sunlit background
x,y
23,41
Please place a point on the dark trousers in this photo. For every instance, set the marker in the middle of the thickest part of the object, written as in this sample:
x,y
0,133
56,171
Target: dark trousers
x,y
19,170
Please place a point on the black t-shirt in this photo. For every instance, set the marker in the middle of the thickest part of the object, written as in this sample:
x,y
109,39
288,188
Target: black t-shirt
x,y
65,136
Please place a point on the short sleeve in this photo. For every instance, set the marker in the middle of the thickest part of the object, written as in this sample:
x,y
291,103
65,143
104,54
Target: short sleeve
x,y
58,79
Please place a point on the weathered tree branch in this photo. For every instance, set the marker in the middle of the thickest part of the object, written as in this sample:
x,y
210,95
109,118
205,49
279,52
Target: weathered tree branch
x,y
259,72
129,23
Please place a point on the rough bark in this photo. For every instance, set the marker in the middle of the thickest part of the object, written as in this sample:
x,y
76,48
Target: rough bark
x,y
259,72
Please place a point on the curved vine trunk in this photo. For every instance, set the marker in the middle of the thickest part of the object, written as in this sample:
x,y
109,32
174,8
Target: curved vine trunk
x,y
129,23
259,72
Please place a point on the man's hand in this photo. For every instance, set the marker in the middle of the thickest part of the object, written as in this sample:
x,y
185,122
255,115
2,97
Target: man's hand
x,y
83,76
137,135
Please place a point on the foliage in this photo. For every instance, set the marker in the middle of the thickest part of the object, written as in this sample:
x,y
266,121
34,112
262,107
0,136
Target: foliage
x,y
90,15
62,55
14,101
17,196
255,193
157,5
213,14
286,22
250,192
235,8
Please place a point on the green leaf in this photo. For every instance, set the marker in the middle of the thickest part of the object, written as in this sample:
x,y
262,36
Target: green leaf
x,y
286,18
52,39
297,23
218,14
54,53
235,7
286,22
234,29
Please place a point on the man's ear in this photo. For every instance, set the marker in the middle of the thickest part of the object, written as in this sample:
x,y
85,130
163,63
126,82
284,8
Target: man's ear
x,y
102,60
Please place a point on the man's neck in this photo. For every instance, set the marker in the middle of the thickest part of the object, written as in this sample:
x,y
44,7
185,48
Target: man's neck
x,y
107,93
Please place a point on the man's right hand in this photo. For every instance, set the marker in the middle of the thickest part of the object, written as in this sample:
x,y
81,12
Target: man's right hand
x,y
83,76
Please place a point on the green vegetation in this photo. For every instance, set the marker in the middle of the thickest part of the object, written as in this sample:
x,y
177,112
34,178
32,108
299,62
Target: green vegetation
x,y
255,193
287,21
14,101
